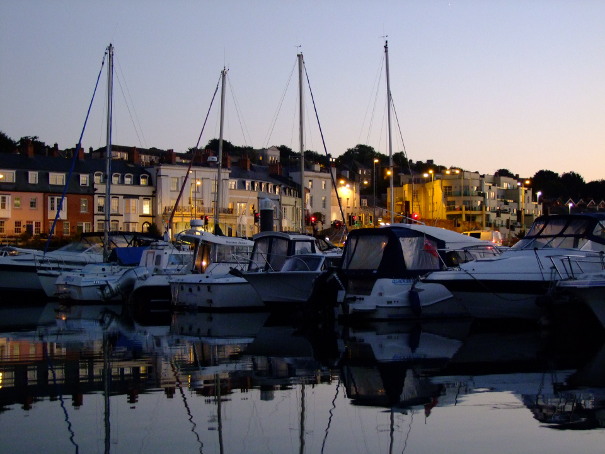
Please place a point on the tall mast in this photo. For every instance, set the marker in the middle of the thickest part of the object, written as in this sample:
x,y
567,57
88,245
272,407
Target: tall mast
x,y
219,183
107,222
301,143
386,53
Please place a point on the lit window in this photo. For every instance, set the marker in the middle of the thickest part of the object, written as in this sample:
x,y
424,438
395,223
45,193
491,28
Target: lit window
x,y
83,205
84,180
17,202
56,179
144,180
128,178
146,206
32,177
98,177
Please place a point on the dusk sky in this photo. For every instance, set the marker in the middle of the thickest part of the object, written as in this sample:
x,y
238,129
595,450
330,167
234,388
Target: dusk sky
x,y
476,84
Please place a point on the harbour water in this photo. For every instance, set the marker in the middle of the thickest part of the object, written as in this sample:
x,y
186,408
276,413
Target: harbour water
x,y
91,379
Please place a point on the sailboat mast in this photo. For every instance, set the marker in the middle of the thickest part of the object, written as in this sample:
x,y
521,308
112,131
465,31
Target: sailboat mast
x,y
386,53
301,142
107,221
219,190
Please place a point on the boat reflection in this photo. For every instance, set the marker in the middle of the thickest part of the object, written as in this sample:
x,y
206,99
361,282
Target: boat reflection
x,y
214,364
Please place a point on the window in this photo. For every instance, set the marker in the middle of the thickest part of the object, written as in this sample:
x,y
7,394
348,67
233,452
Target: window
x,y
83,205
100,205
32,177
98,177
115,226
84,227
56,179
17,227
17,202
7,176
130,208
66,226
241,208
323,184
232,184
115,178
53,203
128,178
310,184
132,227
33,203
146,206
447,191
174,183
84,180
323,202
144,180
115,205
100,226
33,227
248,187
3,202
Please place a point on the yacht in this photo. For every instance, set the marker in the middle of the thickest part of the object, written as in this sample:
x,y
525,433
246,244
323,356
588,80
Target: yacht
x,y
381,270
587,288
520,282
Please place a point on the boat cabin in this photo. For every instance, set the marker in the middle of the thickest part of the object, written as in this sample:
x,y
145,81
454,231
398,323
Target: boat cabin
x,y
271,249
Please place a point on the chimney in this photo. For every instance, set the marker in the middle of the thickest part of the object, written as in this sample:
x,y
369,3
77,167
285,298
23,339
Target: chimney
x,y
275,168
29,149
226,161
244,162
170,156
81,154
134,156
55,151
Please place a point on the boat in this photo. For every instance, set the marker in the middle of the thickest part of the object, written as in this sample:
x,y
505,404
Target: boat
x,y
381,271
520,282
208,284
284,267
587,288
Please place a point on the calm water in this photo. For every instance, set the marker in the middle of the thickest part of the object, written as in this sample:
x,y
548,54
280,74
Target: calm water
x,y
93,379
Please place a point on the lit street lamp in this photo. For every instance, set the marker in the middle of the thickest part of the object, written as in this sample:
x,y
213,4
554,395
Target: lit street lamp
x,y
426,175
569,206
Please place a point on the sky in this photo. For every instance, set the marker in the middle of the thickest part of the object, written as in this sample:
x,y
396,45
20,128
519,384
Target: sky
x,y
480,85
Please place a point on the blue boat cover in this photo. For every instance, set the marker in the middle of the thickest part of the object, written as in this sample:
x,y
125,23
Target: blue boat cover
x,y
127,255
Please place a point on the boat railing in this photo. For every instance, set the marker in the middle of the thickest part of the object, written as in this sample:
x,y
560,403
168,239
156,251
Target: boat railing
x,y
570,266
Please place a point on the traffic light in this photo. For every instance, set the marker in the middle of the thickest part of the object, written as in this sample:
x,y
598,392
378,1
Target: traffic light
x,y
313,220
206,219
415,216
256,217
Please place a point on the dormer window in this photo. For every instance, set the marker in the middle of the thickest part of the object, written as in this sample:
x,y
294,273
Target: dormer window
x,y
57,179
98,177
128,178
144,180
115,178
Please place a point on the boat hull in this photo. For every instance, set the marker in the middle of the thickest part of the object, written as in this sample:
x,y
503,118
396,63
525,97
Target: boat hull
x,y
283,289
214,292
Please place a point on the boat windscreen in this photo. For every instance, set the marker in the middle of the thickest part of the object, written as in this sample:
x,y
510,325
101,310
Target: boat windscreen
x,y
364,252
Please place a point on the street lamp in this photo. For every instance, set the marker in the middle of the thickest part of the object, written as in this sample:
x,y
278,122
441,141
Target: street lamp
x,y
569,206
374,180
426,175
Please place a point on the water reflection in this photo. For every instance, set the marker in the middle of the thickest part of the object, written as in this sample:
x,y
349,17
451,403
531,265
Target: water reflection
x,y
251,380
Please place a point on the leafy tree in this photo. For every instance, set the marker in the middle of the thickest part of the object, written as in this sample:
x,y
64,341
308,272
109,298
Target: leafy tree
x,y
573,184
7,145
505,173
549,183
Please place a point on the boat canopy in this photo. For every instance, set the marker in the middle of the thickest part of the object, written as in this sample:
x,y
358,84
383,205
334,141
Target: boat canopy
x,y
401,250
272,248
584,231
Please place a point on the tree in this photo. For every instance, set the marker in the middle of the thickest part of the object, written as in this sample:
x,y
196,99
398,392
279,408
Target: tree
x,y
7,145
573,183
548,182
505,173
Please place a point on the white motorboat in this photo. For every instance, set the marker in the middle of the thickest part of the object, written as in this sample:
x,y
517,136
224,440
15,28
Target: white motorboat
x,y
588,288
208,284
381,270
520,281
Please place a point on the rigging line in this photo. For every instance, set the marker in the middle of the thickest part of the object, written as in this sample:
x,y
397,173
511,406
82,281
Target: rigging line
x,y
323,444
134,125
407,436
405,154
190,416
377,87
279,106
128,100
193,156
74,158
72,434
242,124
325,149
